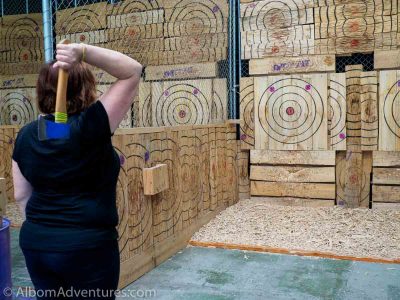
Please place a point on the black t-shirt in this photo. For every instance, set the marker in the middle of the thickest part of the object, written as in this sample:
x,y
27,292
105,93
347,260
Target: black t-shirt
x,y
73,204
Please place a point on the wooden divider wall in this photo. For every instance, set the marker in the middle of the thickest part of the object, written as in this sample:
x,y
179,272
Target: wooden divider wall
x,y
207,172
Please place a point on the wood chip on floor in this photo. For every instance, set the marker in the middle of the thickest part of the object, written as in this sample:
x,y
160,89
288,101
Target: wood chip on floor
x,y
352,232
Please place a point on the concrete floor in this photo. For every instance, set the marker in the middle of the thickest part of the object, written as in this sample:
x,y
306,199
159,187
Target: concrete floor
x,y
203,273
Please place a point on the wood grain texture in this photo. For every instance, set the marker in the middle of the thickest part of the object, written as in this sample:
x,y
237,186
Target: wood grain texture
x,y
292,174
386,206
3,198
219,105
243,172
323,158
388,176
386,193
291,112
389,59
155,179
247,112
17,105
386,159
289,65
337,111
185,71
353,111
353,172
369,110
301,190
302,202
389,110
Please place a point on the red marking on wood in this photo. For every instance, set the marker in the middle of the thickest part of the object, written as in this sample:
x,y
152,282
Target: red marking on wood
x,y
354,43
82,38
275,49
290,111
353,179
354,26
25,56
182,114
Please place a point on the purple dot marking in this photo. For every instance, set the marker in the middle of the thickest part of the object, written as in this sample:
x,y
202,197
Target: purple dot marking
x,y
166,93
215,8
272,89
121,160
36,28
341,203
243,137
308,87
252,5
195,91
10,141
342,136
398,83
147,156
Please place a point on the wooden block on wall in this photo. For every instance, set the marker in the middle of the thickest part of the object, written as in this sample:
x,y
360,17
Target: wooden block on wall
x,y
369,110
299,190
291,201
81,19
193,27
155,179
290,173
290,112
337,111
353,172
18,81
181,102
290,65
187,71
89,37
386,159
193,56
389,110
323,158
212,40
219,105
389,59
20,27
243,170
386,206
18,106
20,68
247,112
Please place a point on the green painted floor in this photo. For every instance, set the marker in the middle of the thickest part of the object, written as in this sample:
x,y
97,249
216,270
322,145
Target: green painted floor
x,y
203,273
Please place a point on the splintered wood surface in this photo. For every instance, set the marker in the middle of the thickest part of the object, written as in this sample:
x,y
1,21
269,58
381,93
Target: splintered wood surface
x,y
353,232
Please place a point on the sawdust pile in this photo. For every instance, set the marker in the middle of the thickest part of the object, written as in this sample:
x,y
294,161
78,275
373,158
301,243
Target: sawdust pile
x,y
353,232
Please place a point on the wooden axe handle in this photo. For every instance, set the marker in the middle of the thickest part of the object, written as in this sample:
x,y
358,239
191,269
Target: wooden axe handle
x,y
61,99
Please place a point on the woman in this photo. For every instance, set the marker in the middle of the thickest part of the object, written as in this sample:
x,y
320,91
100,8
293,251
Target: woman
x,y
67,188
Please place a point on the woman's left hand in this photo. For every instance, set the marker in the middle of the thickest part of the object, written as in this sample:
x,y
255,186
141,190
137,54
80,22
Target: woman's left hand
x,y
68,55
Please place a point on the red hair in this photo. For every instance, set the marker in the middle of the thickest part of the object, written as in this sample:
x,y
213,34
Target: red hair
x,y
81,92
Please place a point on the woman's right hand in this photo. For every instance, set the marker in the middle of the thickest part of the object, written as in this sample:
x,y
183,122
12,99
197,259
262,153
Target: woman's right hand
x,y
68,55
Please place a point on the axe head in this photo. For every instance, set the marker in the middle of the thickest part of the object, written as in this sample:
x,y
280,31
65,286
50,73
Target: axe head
x,y
49,130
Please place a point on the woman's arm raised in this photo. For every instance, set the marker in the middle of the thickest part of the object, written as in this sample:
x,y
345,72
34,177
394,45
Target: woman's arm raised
x,y
118,99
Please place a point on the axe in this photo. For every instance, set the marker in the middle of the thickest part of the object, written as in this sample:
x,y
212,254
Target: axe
x,y
59,129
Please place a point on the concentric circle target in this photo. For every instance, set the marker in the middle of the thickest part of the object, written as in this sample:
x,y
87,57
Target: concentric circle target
x,y
182,104
16,109
291,110
336,113
391,109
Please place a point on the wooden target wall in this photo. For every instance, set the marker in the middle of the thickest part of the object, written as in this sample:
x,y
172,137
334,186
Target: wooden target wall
x,y
304,27
21,44
206,173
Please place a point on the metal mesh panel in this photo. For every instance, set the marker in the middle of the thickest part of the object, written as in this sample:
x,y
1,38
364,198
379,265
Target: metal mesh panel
x,y
367,60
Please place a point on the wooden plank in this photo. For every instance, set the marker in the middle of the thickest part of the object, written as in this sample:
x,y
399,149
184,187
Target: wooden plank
x,y
247,112
386,193
81,19
389,59
193,56
302,202
369,110
290,112
193,27
353,109
263,7
353,171
133,46
337,111
243,171
300,190
323,158
389,110
289,65
386,159
132,34
219,105
181,102
186,71
18,81
97,37
207,8
145,105
292,174
155,179
386,176
386,206
20,27
212,40
20,68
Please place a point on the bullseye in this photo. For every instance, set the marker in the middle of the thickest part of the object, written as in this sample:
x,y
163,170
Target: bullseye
x,y
182,114
290,110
